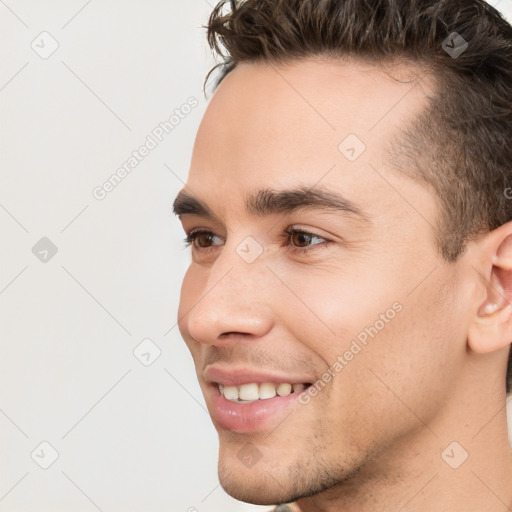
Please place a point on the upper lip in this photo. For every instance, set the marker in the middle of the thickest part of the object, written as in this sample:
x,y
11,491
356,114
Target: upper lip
x,y
237,376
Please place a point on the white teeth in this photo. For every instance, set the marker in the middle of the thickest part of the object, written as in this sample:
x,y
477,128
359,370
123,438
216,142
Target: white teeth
x,y
267,390
253,391
284,389
249,392
230,392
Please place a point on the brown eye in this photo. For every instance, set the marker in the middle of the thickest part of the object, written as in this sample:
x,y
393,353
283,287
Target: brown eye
x,y
299,239
203,239
302,239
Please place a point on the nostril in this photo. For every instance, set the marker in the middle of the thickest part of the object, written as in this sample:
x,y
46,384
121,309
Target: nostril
x,y
236,333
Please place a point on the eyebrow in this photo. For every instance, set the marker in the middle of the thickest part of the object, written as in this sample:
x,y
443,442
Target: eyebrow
x,y
272,202
187,204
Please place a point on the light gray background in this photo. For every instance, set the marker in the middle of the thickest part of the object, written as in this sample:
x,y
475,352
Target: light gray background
x,y
129,437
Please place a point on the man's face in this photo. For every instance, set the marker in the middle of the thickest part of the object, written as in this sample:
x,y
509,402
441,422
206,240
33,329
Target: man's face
x,y
363,286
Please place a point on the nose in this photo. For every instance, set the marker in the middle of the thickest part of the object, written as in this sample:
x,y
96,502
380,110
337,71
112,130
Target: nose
x,y
227,303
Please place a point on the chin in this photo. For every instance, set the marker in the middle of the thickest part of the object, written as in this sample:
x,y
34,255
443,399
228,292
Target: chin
x,y
277,476
252,473
253,485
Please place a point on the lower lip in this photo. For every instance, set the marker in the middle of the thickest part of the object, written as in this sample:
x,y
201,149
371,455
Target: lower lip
x,y
250,416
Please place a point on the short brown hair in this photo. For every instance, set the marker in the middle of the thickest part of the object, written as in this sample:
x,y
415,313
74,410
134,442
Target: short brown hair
x,y
461,144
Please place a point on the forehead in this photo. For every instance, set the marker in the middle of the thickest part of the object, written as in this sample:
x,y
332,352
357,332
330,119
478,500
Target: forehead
x,y
281,125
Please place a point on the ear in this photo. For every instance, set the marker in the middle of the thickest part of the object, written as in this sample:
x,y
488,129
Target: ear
x,y
491,326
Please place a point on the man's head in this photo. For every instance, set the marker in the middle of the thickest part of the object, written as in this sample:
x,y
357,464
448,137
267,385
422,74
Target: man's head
x,y
347,204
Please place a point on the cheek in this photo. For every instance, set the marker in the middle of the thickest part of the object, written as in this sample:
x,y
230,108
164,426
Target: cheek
x,y
406,368
332,307
401,343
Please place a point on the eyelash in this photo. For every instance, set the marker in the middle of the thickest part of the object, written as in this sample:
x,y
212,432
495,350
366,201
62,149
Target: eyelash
x,y
285,237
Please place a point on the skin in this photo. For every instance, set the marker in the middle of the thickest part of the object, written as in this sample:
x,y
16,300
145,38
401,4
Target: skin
x,y
372,439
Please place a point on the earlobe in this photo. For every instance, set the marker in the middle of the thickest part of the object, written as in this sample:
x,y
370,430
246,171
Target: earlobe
x,y
491,328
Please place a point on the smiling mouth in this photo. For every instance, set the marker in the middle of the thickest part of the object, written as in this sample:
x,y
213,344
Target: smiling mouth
x,y
253,392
